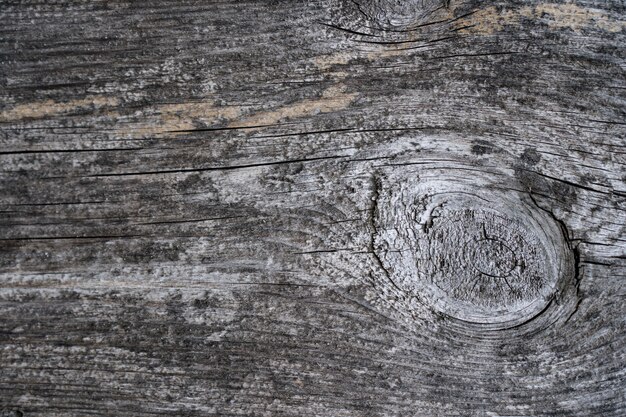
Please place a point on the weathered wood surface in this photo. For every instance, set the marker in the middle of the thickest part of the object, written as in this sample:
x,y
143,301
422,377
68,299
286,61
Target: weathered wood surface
x,y
333,208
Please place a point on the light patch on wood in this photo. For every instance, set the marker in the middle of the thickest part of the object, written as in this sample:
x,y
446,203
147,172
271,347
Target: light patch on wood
x,y
576,18
333,99
174,118
325,62
48,108
182,116
556,16
387,51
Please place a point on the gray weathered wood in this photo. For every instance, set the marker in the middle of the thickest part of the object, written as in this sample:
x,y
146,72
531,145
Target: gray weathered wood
x,y
330,207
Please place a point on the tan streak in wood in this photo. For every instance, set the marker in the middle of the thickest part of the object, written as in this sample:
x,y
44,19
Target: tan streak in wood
x,y
48,108
325,62
556,16
332,99
170,118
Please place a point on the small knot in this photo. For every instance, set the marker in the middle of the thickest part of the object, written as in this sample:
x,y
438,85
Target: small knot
x,y
399,14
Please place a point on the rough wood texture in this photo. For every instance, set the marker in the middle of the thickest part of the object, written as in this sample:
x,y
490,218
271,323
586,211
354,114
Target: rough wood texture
x,y
331,207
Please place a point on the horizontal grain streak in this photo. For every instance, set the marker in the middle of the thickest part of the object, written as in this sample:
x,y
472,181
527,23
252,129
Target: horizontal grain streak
x,y
224,168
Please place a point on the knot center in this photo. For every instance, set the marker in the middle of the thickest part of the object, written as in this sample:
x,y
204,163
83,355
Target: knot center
x,y
491,257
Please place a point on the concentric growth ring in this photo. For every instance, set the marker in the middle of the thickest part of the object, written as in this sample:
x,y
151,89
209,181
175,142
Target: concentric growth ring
x,y
481,262
486,257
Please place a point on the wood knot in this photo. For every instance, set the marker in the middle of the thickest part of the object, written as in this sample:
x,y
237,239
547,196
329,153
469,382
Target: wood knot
x,y
397,14
475,254
394,24
480,260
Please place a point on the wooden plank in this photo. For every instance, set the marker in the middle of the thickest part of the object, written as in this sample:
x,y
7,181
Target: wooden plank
x,y
331,207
